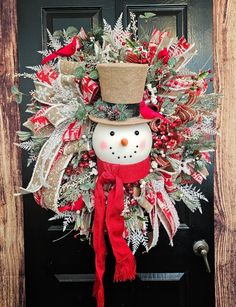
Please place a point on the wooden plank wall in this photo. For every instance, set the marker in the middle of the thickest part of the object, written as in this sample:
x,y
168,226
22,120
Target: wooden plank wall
x,y
11,213
225,166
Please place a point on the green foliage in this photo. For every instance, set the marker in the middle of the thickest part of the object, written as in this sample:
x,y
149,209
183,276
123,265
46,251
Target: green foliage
x,y
57,34
23,135
112,112
172,62
147,15
18,95
81,112
208,102
79,72
94,74
97,34
72,31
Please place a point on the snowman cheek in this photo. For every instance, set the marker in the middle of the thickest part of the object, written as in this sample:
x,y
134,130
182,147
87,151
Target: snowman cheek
x,y
103,145
142,144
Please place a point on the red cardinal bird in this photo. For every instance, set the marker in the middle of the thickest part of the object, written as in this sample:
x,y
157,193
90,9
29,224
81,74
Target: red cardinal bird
x,y
148,113
65,51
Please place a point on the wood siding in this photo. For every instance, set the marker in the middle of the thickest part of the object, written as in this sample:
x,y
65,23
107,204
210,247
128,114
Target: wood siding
x,y
11,208
225,165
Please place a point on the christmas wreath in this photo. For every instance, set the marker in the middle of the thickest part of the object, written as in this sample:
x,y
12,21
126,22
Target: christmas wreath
x,y
120,130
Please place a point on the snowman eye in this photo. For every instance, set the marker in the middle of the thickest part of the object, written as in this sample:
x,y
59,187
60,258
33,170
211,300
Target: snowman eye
x,y
136,132
112,133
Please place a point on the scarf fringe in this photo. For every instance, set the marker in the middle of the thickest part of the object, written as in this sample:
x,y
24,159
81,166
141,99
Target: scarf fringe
x,y
126,269
98,293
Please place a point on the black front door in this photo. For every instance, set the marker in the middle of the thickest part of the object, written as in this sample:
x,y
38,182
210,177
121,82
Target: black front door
x,y
60,272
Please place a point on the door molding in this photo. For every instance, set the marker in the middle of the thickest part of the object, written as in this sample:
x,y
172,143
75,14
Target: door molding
x,y
225,165
12,290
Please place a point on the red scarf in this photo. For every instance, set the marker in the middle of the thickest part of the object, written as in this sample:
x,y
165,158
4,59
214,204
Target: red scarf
x,y
109,216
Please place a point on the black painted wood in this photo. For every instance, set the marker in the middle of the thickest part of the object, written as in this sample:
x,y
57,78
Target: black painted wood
x,y
61,272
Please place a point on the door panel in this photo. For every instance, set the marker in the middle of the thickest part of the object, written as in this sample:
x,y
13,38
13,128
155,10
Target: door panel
x,y
61,272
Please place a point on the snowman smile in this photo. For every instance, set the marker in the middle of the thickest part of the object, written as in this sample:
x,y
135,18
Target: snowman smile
x,y
126,156
122,144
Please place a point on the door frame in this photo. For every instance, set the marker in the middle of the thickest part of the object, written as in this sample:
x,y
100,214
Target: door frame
x,y
12,291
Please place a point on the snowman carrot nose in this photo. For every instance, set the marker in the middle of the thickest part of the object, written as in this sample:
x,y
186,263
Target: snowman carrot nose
x,y
124,142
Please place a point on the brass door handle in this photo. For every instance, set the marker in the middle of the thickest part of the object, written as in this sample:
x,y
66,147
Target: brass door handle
x,y
201,248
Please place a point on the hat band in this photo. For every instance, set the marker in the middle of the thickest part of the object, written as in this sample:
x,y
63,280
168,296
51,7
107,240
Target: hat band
x,y
115,112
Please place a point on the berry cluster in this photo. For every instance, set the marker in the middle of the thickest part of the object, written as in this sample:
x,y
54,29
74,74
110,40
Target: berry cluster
x,y
86,161
129,190
165,136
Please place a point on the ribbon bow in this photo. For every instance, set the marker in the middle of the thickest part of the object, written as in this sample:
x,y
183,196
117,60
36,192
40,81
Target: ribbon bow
x,y
110,216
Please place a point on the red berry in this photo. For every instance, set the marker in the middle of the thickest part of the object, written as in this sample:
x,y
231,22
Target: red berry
x,y
171,143
131,191
133,202
91,153
176,82
159,99
209,71
165,138
123,43
85,156
144,61
178,122
162,127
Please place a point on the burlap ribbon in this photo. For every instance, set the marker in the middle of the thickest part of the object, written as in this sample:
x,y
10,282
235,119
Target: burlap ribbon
x,y
54,156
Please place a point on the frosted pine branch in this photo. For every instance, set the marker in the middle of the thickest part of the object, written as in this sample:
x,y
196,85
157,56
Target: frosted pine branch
x,y
53,42
136,238
27,76
44,52
35,68
32,158
69,219
191,196
133,26
106,27
118,28
28,145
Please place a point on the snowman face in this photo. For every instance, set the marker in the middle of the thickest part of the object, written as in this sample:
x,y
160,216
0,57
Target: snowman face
x,y
122,144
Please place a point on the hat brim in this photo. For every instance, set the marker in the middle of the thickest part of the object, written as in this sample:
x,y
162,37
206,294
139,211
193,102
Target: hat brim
x,y
128,122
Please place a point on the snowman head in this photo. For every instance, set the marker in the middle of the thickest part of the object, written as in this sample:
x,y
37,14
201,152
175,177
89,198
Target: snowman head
x,y
126,144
